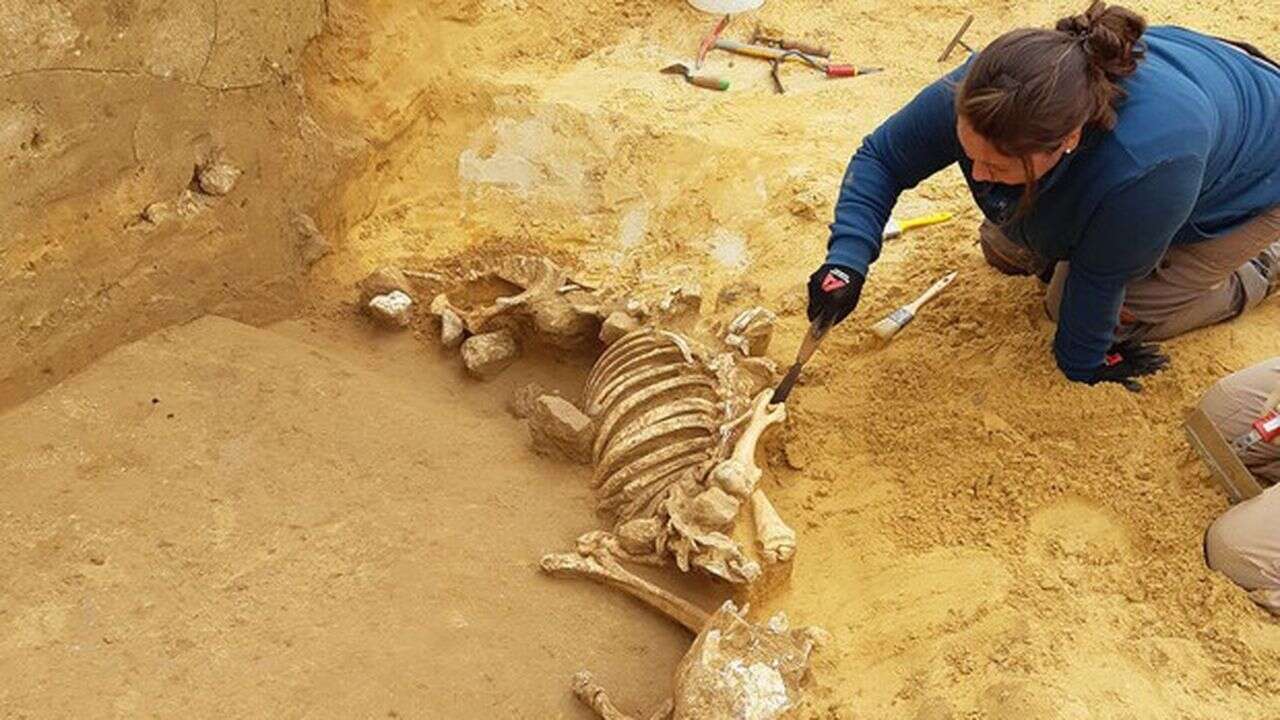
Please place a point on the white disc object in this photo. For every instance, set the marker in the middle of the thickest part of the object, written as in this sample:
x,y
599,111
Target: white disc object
x,y
726,7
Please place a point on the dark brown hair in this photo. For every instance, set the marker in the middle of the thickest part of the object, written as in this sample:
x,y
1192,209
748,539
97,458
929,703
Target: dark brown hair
x,y
1028,90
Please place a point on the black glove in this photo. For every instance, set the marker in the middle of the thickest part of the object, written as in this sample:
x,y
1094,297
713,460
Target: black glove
x,y
833,294
1129,359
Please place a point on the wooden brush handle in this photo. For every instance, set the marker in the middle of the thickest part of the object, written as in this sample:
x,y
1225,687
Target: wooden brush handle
x,y
931,293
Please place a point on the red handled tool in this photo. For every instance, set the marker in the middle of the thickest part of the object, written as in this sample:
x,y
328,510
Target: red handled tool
x,y
1266,429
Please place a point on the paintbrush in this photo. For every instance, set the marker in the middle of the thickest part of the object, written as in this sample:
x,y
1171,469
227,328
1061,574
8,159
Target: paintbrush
x,y
898,319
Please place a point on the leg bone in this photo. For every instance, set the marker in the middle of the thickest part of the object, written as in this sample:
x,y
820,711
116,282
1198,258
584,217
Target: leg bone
x,y
777,541
603,568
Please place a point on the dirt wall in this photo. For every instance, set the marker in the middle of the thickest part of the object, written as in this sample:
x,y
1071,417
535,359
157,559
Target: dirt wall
x,y
106,109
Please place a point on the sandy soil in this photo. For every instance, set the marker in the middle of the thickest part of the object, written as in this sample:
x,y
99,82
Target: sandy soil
x,y
983,539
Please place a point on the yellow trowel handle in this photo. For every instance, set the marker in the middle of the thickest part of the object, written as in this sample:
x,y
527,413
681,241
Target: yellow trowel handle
x,y
924,220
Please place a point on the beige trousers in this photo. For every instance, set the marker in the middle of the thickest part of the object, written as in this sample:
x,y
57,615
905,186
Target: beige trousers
x,y
1193,286
1244,543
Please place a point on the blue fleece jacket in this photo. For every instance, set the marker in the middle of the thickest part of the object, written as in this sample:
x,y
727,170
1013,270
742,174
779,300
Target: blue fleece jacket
x,y
1194,154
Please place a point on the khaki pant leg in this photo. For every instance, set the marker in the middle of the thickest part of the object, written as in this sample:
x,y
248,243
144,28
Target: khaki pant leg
x,y
1194,286
1006,255
1244,545
1235,402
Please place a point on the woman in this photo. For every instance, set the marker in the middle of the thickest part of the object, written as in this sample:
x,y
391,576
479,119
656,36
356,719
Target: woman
x,y
1138,170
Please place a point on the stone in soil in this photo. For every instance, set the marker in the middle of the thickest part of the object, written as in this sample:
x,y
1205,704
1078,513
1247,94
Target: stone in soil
x,y
616,326
486,356
556,426
452,329
383,281
217,178
393,310
523,399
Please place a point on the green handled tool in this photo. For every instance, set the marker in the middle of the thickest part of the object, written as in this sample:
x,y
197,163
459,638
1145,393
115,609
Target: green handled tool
x,y
709,82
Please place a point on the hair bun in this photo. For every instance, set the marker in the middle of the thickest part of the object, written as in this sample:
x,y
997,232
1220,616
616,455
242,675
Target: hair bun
x,y
1109,34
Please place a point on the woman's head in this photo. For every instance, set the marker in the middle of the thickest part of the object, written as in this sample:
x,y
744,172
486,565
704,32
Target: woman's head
x,y
1029,95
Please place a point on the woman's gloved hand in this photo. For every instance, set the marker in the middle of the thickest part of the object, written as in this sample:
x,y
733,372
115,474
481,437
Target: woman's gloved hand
x,y
833,294
1129,359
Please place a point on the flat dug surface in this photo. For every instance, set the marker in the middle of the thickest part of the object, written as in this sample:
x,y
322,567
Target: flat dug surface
x,y
218,521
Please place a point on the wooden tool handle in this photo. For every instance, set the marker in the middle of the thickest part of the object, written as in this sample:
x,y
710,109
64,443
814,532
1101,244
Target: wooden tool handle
x,y
760,51
931,293
709,82
806,48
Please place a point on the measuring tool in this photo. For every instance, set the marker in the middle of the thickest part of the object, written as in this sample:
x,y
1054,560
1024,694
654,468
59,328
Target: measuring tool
x,y
810,343
1266,429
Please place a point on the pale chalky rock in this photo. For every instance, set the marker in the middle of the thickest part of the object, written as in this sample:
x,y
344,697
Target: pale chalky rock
x,y
486,356
556,426
157,213
616,325
217,178
452,329
383,281
394,310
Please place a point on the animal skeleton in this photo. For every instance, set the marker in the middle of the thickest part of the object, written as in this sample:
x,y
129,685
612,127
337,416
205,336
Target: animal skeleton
x,y
735,670
675,454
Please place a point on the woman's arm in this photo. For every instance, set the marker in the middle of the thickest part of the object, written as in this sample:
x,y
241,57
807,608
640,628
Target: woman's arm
x,y
1124,241
916,142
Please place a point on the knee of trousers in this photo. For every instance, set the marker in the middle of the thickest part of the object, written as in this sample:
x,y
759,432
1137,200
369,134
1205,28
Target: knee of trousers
x,y
1232,547
1003,254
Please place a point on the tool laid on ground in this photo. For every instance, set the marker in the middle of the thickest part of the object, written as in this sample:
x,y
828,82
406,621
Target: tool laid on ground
x,y
897,227
709,82
709,40
776,56
812,339
759,37
724,7
1224,464
900,318
958,41
1223,458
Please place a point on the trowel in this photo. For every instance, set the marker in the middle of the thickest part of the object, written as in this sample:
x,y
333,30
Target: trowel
x,y
817,331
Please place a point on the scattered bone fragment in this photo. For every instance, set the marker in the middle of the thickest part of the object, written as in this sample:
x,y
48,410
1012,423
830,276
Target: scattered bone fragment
x,y
523,399
681,300
393,310
383,281
217,177
486,356
735,670
751,331
618,323
556,426
636,308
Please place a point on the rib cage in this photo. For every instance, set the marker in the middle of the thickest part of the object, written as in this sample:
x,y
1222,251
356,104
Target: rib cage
x,y
657,411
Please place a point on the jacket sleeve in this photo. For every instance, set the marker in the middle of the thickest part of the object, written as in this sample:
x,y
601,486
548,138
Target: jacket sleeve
x,y
916,142
1124,241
